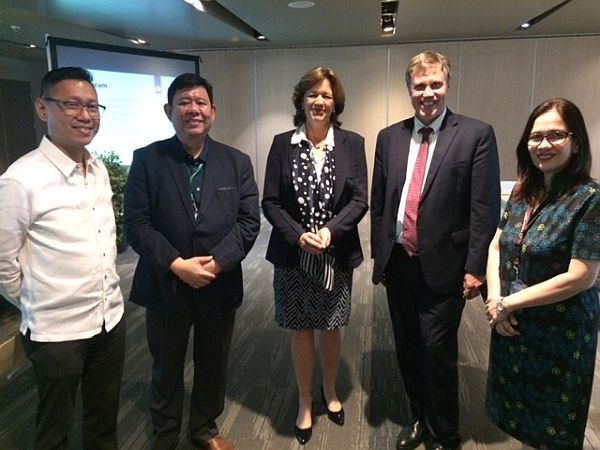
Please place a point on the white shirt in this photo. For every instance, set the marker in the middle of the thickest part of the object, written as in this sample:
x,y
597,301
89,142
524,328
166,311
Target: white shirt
x,y
57,246
413,152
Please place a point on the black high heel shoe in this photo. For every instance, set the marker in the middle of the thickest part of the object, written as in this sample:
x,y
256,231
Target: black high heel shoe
x,y
336,417
303,435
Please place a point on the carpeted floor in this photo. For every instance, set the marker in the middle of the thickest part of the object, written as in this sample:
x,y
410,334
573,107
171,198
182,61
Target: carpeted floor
x,y
261,397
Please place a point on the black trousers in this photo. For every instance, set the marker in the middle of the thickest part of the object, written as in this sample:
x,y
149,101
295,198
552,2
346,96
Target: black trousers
x,y
425,328
168,332
60,367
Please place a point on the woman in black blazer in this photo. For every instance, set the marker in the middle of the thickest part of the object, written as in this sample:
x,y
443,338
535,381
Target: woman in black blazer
x,y
315,195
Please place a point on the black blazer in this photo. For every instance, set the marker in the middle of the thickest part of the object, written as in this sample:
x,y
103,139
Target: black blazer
x,y
459,207
349,195
160,223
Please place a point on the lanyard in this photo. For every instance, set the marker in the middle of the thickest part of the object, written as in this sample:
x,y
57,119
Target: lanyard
x,y
528,219
194,173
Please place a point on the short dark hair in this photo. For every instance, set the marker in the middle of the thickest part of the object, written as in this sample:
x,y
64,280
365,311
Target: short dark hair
x,y
530,179
64,73
310,78
186,81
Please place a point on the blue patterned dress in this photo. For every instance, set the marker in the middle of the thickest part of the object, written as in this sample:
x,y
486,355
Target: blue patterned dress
x,y
540,383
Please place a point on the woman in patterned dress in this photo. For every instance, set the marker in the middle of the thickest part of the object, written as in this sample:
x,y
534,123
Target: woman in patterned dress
x,y
543,306
315,194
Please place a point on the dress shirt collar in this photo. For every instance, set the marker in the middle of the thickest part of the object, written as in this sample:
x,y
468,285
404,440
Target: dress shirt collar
x,y
299,136
435,125
60,160
189,159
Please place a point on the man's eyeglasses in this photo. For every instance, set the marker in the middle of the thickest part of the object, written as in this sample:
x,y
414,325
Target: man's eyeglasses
x,y
554,137
73,109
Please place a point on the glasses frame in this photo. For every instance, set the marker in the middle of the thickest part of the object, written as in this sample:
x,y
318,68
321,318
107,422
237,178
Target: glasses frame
x,y
73,109
545,136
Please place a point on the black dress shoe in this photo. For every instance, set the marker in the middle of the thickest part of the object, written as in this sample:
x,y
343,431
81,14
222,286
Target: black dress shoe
x,y
303,434
336,417
439,446
411,436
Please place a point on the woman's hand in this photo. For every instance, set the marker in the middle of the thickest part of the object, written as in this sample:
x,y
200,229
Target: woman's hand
x,y
325,236
507,327
311,243
491,310
503,322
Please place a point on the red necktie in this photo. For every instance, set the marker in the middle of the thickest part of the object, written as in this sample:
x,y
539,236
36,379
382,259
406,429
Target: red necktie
x,y
409,239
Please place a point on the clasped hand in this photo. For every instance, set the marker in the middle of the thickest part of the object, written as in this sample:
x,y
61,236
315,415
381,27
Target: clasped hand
x,y
505,326
196,272
315,243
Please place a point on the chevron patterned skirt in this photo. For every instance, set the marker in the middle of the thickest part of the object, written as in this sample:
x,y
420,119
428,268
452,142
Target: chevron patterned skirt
x,y
302,303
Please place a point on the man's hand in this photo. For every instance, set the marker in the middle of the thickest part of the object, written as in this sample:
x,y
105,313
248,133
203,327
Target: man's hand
x,y
471,285
196,272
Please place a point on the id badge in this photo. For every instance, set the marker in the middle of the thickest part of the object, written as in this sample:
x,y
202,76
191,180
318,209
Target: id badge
x,y
516,286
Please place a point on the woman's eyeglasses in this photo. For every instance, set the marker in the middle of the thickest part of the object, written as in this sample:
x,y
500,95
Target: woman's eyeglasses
x,y
554,137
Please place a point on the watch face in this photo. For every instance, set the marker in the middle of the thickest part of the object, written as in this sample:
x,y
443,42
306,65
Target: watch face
x,y
500,306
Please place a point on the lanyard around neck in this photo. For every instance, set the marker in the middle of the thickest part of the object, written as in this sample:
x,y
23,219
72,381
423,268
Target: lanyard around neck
x,y
530,216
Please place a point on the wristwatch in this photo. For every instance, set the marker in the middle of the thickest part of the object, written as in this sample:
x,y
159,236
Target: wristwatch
x,y
501,308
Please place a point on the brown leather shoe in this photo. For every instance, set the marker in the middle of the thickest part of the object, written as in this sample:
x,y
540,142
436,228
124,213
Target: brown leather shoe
x,y
217,443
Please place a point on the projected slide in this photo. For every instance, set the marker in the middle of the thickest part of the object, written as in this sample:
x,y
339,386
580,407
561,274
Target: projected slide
x,y
134,114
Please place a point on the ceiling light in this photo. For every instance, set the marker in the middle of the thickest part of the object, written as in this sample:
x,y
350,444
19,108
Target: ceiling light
x,y
389,10
196,4
537,19
138,41
301,4
219,12
387,24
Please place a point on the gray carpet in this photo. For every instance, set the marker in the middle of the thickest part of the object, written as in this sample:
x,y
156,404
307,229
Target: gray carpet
x,y
261,397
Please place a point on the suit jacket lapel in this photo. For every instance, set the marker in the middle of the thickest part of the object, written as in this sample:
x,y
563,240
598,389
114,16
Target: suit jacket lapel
x,y
342,161
447,133
399,156
210,182
179,172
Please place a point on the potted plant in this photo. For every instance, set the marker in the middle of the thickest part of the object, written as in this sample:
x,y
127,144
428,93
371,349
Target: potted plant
x,y
118,177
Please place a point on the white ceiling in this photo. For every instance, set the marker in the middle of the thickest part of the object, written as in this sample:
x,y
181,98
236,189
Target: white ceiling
x,y
174,25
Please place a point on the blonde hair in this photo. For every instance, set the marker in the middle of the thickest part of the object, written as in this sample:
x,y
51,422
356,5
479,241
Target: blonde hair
x,y
423,60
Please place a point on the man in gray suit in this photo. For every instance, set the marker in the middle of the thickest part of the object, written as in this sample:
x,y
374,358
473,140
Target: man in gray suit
x,y
434,209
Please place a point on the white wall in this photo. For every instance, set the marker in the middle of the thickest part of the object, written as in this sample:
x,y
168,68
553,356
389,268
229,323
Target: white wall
x,y
499,81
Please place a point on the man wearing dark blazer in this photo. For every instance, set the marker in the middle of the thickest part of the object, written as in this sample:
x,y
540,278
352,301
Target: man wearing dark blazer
x,y
192,214
432,262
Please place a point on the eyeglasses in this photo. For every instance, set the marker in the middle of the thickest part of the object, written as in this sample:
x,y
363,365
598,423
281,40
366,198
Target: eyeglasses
x,y
73,109
554,137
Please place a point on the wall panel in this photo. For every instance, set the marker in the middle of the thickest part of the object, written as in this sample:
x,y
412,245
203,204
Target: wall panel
x,y
498,81
570,68
496,87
